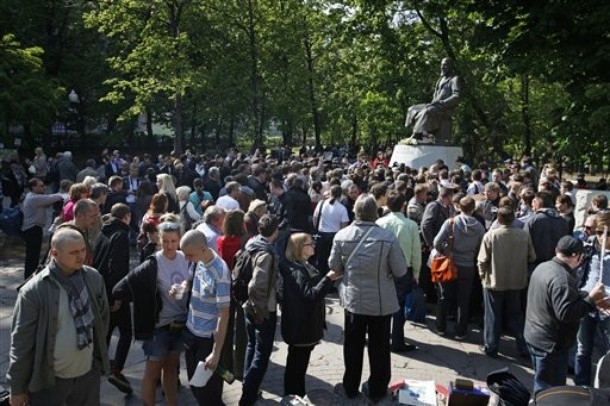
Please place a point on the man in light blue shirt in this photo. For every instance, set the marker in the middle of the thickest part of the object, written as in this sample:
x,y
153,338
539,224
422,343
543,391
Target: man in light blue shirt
x,y
213,217
407,234
208,314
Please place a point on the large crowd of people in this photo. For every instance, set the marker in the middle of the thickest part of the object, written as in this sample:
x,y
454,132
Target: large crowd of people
x,y
304,225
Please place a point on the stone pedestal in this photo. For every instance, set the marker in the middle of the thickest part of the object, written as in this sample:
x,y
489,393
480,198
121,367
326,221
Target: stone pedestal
x,y
416,156
583,202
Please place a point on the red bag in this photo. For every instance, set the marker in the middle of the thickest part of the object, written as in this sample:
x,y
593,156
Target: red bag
x,y
442,268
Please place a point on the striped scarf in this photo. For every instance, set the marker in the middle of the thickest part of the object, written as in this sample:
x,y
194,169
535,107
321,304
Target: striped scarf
x,y
78,300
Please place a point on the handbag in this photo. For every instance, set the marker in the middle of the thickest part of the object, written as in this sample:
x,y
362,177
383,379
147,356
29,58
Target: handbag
x,y
442,268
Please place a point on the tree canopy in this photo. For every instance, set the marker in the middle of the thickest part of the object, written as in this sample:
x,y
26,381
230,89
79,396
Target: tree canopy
x,y
316,72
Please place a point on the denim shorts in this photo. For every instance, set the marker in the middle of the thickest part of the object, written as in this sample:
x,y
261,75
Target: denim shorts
x,y
162,344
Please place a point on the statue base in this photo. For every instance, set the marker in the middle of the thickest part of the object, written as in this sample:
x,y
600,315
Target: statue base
x,y
418,155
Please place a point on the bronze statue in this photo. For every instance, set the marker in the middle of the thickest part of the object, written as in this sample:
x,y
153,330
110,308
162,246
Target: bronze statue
x,y
432,122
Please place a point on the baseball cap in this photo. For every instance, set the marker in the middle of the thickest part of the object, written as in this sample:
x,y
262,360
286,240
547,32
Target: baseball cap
x,y
570,246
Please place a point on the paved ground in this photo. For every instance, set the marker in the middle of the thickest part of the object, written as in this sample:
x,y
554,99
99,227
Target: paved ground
x,y
440,359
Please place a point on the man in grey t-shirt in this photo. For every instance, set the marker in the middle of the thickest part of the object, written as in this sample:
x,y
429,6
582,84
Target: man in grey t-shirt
x,y
35,208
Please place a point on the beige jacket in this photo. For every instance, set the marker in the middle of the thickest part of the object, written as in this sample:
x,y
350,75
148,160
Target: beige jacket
x,y
503,258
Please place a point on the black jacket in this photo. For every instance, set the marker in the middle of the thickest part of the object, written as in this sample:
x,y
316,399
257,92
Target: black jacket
x,y
281,206
259,187
111,252
140,287
302,211
546,228
303,309
554,307
114,198
212,186
433,218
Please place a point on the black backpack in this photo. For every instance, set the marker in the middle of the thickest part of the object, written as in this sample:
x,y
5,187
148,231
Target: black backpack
x,y
242,273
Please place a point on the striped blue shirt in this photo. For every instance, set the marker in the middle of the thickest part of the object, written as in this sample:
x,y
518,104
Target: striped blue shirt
x,y
211,292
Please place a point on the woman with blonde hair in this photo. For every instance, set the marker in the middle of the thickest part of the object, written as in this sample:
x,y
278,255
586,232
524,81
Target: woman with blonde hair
x,y
160,308
165,184
303,313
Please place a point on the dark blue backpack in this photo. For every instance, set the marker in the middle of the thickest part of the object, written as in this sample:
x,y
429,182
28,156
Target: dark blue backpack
x,y
11,220
415,305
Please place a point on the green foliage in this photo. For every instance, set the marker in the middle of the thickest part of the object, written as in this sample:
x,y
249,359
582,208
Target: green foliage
x,y
536,75
27,96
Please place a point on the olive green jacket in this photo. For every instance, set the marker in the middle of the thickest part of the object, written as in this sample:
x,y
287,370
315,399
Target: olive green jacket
x,y
35,328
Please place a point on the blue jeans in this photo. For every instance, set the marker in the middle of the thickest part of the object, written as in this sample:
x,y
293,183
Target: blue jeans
x,y
495,301
589,326
550,368
260,345
403,286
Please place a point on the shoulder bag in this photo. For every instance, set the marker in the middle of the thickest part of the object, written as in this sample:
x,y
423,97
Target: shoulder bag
x,y
442,268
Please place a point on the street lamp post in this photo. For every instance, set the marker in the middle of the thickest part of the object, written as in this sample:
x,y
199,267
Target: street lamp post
x,y
72,124
73,97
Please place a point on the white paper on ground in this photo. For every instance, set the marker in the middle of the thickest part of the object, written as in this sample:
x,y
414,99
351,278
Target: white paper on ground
x,y
201,376
418,393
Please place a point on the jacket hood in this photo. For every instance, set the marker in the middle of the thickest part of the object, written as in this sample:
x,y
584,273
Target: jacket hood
x,y
466,224
258,243
114,225
551,212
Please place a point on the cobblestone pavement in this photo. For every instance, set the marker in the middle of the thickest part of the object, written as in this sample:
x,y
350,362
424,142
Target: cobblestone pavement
x,y
438,358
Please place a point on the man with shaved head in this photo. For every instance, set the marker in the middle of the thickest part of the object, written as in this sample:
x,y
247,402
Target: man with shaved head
x,y
208,314
58,341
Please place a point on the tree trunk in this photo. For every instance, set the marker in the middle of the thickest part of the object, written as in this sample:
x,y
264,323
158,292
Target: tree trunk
x,y
312,94
258,138
261,123
149,125
231,131
525,113
287,132
193,131
218,131
178,135
354,131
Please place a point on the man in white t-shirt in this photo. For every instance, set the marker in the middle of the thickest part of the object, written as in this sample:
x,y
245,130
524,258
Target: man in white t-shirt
x,y
229,201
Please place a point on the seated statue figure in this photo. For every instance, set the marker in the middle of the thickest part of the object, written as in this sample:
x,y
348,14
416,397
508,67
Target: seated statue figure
x,y
432,122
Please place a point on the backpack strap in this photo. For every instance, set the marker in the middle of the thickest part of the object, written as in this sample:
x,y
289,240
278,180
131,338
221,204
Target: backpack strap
x,y
193,267
450,242
319,218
